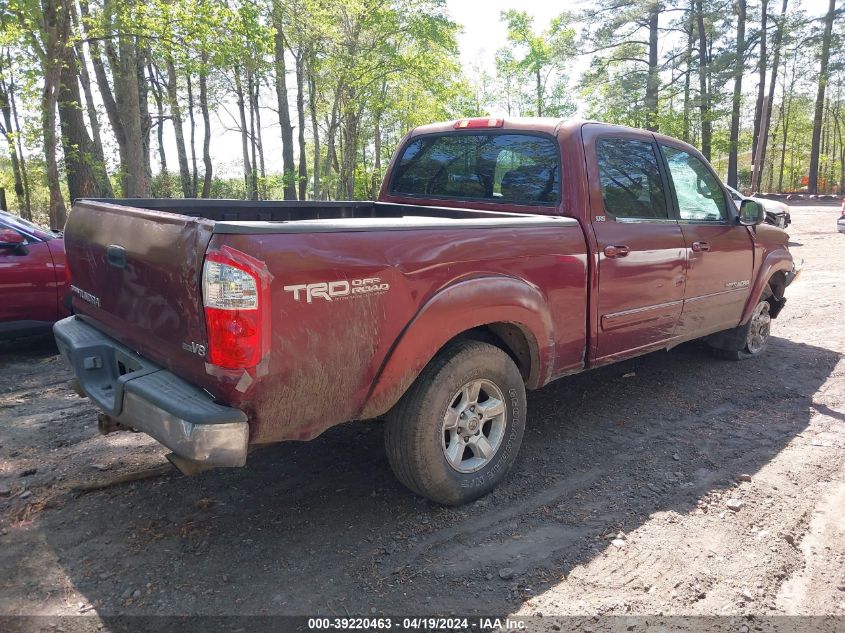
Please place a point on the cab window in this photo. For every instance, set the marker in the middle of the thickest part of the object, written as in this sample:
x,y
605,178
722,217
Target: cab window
x,y
631,185
506,168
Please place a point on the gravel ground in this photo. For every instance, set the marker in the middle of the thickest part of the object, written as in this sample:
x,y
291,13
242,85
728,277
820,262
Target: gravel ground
x,y
672,484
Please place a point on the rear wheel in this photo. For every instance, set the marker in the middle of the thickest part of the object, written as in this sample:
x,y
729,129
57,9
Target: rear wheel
x,y
456,432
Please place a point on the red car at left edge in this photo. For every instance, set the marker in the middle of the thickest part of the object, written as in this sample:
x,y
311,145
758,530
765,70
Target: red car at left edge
x,y
34,279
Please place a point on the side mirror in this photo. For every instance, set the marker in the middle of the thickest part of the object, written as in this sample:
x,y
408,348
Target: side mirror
x,y
751,213
10,238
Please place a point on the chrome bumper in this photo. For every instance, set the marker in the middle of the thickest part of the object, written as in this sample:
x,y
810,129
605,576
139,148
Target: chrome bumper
x,y
139,394
793,274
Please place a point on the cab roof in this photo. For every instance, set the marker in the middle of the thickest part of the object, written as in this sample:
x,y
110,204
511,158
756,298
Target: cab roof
x,y
549,125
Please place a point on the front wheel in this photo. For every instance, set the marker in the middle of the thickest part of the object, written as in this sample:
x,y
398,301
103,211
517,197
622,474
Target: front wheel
x,y
748,340
456,432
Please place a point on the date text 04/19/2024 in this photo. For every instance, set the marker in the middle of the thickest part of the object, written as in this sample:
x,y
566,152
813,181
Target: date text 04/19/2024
x,y
417,624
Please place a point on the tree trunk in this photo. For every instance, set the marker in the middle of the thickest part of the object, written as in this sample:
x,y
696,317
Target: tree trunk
x,y
105,91
93,118
206,132
704,98
346,177
8,133
158,97
284,113
239,94
776,45
331,151
259,140
833,151
300,111
737,96
252,141
813,177
127,92
761,87
176,117
841,162
690,40
26,211
194,174
86,176
786,113
143,54
315,132
376,175
653,79
757,174
784,132
57,209
55,38
842,171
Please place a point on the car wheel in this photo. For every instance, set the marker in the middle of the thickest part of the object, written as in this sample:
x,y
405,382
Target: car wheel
x,y
456,432
747,340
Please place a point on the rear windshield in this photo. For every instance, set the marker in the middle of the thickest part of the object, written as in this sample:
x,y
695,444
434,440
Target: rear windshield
x,y
513,168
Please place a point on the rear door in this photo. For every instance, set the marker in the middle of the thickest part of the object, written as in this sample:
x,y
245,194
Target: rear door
x,y
137,273
640,247
719,250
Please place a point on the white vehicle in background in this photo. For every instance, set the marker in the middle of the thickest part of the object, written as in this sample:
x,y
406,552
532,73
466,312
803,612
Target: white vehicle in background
x,y
777,213
840,223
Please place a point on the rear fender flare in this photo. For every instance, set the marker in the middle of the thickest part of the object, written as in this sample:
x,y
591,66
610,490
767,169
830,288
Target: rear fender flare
x,y
452,311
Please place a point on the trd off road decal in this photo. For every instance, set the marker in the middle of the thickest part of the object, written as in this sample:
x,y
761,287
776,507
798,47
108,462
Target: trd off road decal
x,y
341,289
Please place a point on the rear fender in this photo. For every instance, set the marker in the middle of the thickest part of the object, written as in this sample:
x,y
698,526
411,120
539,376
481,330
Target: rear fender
x,y
454,310
776,260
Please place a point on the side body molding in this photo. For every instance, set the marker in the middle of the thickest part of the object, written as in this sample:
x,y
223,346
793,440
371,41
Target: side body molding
x,y
457,308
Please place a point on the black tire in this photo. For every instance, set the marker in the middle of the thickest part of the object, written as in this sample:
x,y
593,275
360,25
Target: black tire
x,y
415,438
736,344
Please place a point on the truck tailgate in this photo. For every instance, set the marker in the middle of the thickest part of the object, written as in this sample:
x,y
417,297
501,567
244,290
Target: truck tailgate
x,y
137,273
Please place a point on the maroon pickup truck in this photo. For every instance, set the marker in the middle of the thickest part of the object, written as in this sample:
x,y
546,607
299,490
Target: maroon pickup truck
x,y
500,255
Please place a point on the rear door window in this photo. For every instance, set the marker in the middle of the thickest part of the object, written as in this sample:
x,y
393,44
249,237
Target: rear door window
x,y
631,184
505,168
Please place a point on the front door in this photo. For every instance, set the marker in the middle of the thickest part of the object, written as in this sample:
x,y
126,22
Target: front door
x,y
719,250
640,247
27,284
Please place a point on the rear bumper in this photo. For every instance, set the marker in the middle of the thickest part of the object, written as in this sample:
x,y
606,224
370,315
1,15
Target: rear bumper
x,y
140,394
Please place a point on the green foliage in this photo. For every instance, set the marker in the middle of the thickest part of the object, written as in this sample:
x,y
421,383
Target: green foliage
x,y
38,189
532,67
374,69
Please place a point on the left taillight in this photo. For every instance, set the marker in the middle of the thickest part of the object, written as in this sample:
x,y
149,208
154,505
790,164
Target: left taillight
x,y
234,312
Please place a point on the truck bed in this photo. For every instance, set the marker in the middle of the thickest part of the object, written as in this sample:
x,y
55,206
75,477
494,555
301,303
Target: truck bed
x,y
137,267
296,211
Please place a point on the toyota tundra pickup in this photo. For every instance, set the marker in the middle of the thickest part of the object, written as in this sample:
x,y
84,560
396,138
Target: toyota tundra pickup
x,y
499,256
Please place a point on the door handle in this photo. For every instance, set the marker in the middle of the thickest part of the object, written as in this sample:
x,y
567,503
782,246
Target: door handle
x,y
116,256
700,247
616,250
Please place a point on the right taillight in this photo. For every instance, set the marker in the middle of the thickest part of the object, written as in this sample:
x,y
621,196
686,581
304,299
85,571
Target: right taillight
x,y
233,298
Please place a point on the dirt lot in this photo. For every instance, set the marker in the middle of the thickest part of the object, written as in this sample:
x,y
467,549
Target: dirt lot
x,y
618,505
